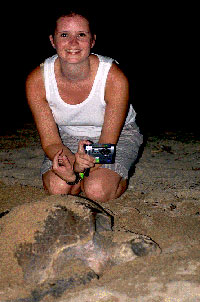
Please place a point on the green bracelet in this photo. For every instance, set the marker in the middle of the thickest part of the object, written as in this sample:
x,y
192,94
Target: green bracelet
x,y
81,175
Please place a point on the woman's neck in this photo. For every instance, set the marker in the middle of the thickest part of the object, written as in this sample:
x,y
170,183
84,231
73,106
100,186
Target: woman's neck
x,y
75,72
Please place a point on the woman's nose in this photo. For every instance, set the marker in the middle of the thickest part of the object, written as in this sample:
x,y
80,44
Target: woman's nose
x,y
73,40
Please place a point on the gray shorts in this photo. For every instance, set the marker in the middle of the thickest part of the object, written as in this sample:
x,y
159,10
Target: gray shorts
x,y
126,150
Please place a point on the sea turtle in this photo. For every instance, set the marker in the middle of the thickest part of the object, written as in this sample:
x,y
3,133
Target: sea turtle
x,y
64,241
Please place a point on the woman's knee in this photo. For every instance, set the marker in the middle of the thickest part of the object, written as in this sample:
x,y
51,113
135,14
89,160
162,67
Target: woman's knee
x,y
56,189
98,190
54,185
104,185
95,191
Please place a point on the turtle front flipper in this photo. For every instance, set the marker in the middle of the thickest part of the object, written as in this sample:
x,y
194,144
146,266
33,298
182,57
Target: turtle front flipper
x,y
103,222
56,287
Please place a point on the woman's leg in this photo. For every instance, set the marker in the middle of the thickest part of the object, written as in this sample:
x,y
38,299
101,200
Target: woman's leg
x,y
54,185
103,185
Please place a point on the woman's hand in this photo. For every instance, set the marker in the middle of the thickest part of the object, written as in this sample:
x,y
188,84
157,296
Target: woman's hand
x,y
82,160
62,167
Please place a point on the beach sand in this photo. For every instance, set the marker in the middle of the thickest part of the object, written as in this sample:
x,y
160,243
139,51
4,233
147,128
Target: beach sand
x,y
162,201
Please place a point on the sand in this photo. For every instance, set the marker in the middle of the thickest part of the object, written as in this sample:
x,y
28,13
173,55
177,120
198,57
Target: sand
x,y
162,201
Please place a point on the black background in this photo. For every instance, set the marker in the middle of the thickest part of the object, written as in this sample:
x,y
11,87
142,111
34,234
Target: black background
x,y
155,45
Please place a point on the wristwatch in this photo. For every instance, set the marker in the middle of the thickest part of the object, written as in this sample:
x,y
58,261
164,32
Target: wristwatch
x,y
78,178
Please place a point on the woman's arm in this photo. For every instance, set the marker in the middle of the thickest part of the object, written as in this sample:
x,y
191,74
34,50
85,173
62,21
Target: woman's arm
x,y
117,100
45,123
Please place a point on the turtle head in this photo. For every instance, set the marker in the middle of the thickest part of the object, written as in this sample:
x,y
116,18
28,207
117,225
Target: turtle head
x,y
127,246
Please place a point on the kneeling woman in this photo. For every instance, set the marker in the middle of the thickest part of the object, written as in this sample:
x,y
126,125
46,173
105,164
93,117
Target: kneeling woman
x,y
77,97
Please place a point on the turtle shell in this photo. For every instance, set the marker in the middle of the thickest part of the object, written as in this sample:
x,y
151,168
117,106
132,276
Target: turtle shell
x,y
39,236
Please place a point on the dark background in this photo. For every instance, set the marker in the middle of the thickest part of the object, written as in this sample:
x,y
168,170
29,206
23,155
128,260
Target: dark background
x,y
155,45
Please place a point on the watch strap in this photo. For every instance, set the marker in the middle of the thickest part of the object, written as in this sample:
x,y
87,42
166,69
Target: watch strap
x,y
78,178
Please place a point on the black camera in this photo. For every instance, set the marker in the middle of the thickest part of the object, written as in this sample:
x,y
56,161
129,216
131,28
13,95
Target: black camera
x,y
103,153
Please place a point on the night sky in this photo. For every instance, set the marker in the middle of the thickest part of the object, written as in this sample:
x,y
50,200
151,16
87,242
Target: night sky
x,y
154,44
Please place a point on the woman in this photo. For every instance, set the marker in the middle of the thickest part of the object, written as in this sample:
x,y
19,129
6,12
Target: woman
x,y
77,97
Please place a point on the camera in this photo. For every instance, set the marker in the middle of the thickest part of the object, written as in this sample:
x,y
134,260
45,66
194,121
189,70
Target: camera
x,y
103,153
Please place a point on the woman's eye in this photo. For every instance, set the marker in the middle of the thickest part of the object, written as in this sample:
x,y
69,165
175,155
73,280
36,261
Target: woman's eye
x,y
64,35
82,35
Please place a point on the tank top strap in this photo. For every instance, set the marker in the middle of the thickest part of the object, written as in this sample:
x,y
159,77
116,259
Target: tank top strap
x,y
42,69
105,64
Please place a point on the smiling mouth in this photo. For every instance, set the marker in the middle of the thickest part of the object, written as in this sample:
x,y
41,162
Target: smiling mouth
x,y
73,51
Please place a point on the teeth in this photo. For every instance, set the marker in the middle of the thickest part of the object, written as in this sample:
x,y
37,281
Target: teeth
x,y
73,51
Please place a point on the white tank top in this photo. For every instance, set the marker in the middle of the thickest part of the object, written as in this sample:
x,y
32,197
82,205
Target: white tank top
x,y
86,118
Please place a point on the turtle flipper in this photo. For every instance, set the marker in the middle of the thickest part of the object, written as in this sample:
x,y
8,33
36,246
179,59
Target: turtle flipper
x,y
56,288
103,223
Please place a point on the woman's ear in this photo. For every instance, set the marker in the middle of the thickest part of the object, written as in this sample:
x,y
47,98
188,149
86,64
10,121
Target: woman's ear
x,y
93,41
52,41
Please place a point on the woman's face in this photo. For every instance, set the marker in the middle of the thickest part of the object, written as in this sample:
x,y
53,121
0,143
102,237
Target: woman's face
x,y
72,39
